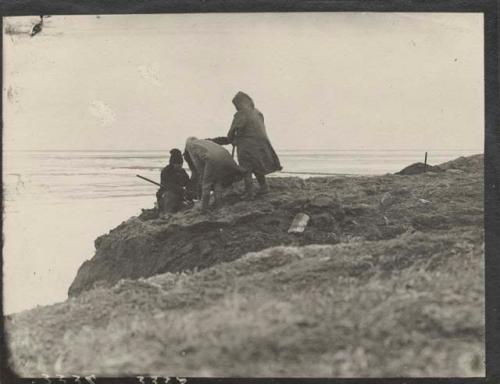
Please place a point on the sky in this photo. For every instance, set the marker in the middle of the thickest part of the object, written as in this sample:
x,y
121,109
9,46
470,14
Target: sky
x,y
322,80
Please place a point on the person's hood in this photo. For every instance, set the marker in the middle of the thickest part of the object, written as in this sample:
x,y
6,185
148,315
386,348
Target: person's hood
x,y
243,101
190,140
176,156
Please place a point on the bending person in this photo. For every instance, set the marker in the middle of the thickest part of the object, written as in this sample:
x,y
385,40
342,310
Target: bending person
x,y
255,152
212,168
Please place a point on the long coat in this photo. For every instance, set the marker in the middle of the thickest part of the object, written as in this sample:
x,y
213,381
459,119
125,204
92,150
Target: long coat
x,y
213,164
174,178
254,149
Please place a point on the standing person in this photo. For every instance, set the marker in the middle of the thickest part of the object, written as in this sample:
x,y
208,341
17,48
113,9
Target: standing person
x,y
212,168
174,179
255,152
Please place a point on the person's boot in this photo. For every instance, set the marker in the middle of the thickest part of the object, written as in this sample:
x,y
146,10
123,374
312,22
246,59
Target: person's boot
x,y
263,187
249,194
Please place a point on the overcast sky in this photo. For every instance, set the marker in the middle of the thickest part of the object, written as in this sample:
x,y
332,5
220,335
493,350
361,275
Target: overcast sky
x,y
322,80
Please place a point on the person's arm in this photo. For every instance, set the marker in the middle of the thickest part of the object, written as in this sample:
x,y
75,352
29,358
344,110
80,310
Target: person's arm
x,y
221,140
164,176
206,186
218,194
192,188
238,124
183,177
188,159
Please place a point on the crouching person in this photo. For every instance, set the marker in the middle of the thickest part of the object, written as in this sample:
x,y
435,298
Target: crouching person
x,y
171,196
212,168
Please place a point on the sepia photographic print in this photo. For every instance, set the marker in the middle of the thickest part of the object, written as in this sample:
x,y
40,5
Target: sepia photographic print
x,y
244,194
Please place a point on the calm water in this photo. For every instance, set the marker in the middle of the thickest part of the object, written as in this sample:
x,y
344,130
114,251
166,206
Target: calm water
x,y
58,202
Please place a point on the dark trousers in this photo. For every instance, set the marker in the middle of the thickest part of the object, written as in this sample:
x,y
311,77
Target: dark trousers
x,y
169,201
261,179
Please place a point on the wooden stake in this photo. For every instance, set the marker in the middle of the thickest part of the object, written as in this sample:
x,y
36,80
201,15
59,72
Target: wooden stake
x,y
425,162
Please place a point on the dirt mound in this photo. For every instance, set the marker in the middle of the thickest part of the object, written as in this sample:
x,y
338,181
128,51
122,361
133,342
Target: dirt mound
x,y
342,209
473,163
409,306
148,245
418,168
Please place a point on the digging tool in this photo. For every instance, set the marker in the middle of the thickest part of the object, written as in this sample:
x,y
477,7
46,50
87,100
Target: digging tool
x,y
161,186
151,181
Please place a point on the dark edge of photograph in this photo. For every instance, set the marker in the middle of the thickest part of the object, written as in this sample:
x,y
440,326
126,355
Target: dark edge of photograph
x,y
491,10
